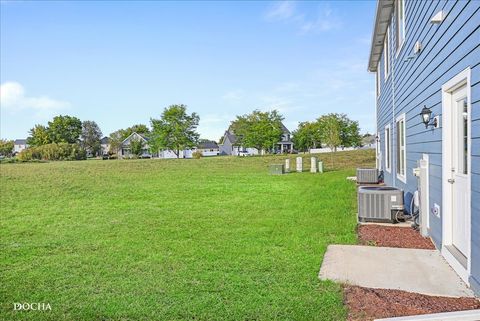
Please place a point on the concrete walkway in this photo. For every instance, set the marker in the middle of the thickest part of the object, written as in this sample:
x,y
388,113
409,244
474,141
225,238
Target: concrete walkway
x,y
412,270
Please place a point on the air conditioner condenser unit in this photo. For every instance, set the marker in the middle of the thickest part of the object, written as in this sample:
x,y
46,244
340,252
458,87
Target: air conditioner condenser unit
x,y
380,204
367,175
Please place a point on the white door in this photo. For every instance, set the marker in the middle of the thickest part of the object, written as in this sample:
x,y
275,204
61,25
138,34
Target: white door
x,y
459,179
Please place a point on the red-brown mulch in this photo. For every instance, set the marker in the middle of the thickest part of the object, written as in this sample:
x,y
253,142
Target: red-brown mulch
x,y
369,304
393,236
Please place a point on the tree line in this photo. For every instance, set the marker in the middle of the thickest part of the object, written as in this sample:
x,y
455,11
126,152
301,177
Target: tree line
x,y
331,130
176,130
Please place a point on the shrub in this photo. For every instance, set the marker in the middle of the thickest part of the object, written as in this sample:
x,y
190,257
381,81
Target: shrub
x,y
62,151
197,154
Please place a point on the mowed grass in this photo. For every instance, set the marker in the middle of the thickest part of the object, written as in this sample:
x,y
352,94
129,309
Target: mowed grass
x,y
209,239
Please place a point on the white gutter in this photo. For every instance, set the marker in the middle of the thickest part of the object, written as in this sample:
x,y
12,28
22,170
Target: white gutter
x,y
382,20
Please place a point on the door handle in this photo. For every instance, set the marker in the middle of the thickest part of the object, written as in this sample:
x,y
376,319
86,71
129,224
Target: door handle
x,y
451,180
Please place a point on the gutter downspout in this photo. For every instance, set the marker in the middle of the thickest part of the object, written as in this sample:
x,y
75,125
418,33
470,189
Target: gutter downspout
x,y
394,125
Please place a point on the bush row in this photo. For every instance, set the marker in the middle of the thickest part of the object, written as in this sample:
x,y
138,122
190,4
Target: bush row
x,y
61,151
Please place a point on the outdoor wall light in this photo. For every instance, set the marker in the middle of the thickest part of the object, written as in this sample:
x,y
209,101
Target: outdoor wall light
x,y
427,117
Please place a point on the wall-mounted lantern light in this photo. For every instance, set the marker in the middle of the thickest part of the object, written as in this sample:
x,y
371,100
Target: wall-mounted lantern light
x,y
427,117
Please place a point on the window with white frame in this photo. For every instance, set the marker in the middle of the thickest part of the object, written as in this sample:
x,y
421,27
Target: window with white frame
x,y
401,150
386,54
388,151
400,19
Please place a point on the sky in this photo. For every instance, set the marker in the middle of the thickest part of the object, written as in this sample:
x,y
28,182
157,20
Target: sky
x,y
121,63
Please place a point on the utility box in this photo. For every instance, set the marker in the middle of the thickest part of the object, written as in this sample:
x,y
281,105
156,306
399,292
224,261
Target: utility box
x,y
320,167
277,169
313,165
287,165
299,164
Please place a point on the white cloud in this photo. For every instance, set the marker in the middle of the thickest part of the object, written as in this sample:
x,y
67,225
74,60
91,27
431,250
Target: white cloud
x,y
234,95
13,97
282,10
288,12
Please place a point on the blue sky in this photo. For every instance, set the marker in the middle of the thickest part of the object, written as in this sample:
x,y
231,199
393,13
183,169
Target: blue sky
x,y
121,63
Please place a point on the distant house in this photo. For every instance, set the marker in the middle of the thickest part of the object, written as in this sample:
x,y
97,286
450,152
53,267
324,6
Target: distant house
x,y
208,148
19,145
167,153
104,145
230,145
125,149
368,141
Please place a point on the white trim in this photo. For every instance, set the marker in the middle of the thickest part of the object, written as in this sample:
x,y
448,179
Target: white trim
x,y
461,79
466,315
388,152
386,55
426,158
401,177
398,45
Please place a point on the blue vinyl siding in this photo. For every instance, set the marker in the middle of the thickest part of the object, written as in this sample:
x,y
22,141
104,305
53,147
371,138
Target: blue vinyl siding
x,y
447,49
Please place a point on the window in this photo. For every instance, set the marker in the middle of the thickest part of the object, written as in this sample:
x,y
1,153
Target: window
x,y
386,54
401,152
378,82
388,153
400,19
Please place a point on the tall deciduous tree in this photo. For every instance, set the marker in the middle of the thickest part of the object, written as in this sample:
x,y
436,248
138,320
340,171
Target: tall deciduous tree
x,y
115,141
91,135
260,130
349,130
6,147
307,136
136,146
64,129
38,136
175,130
330,128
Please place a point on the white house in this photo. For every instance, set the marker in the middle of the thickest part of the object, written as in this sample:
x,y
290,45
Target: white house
x,y
208,148
19,145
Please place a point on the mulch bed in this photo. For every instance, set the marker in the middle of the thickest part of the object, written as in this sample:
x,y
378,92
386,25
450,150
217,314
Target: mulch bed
x,y
369,304
392,236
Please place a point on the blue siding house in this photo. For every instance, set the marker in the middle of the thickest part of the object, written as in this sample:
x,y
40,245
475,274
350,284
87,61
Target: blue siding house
x,y
426,58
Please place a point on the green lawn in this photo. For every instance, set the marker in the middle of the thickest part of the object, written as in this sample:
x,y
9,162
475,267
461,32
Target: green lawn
x,y
209,239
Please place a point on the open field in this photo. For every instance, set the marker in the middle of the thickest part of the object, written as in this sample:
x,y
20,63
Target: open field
x,y
215,238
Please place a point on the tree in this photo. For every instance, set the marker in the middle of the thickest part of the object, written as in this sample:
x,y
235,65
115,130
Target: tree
x,y
136,146
330,127
349,132
91,135
175,130
260,130
6,147
307,136
139,129
115,141
64,129
38,136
